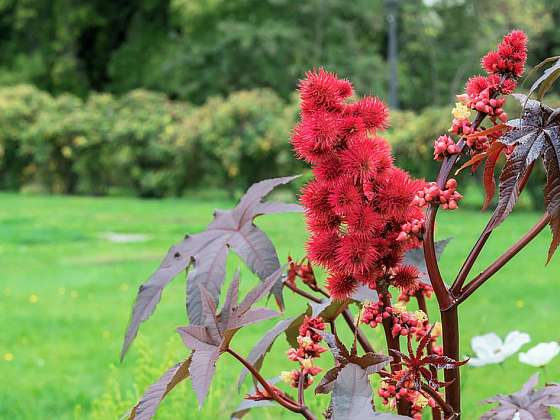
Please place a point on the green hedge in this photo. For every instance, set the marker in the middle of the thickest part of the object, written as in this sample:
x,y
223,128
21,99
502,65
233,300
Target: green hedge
x,y
145,144
141,142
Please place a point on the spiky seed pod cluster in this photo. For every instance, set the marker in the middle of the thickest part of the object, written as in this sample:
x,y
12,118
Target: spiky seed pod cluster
x,y
358,200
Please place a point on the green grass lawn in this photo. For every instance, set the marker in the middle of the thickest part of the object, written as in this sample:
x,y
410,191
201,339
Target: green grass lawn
x,y
66,295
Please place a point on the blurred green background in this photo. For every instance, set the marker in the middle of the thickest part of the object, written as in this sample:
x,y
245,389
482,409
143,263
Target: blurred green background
x,y
191,101
155,98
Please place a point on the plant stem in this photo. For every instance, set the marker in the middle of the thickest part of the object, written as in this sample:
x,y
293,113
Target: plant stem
x,y
444,297
282,400
301,382
479,280
421,299
475,252
303,293
450,327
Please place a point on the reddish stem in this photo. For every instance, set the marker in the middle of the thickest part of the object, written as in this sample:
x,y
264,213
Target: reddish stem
x,y
282,400
301,382
479,280
421,299
476,250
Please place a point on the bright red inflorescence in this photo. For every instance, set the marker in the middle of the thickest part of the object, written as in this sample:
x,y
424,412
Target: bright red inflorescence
x,y
308,349
302,270
503,67
358,200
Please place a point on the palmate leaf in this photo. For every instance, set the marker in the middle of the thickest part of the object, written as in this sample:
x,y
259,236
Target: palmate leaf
x,y
211,339
352,394
552,193
207,252
536,134
529,403
149,402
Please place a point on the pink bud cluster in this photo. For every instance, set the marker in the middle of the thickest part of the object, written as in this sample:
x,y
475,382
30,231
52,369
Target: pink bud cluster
x,y
461,126
409,323
444,146
373,313
480,96
412,229
308,349
432,194
390,393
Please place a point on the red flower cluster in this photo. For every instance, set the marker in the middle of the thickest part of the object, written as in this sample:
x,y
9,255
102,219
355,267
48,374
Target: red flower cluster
x,y
373,313
409,323
510,58
448,198
303,270
503,66
358,200
308,350
389,393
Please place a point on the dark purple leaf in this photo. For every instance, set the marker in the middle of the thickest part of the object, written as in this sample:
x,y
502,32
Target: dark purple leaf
x,y
149,402
207,251
530,403
327,382
442,362
551,160
202,370
210,340
545,82
536,134
149,294
371,362
351,395
208,271
260,291
416,258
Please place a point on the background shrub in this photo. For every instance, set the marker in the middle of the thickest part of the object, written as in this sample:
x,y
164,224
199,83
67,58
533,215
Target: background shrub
x,y
145,144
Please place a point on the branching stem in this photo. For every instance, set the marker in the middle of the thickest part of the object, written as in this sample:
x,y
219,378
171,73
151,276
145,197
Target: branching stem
x,y
280,399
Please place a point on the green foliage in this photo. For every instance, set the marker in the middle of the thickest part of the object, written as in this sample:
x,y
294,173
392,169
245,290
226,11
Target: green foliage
x,y
63,345
195,49
141,142
240,140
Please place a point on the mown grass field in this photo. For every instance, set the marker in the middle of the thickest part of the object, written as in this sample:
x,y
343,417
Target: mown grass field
x,y
66,294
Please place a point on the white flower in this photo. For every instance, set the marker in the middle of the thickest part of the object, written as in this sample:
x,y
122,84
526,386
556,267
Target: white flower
x,y
541,354
490,349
